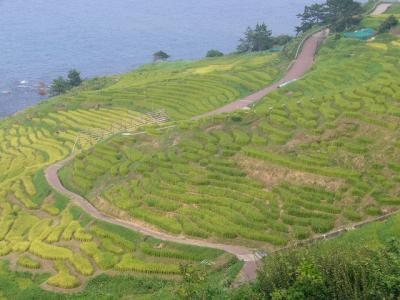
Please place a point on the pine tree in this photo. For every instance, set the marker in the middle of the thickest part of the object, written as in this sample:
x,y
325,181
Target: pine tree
x,y
74,78
258,39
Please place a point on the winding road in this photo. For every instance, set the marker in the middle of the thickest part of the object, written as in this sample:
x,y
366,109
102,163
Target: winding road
x,y
301,65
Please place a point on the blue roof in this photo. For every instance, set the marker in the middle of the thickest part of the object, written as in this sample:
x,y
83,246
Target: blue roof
x,y
276,49
362,34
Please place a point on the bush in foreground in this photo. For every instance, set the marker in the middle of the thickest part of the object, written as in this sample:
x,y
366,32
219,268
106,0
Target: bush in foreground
x,y
327,272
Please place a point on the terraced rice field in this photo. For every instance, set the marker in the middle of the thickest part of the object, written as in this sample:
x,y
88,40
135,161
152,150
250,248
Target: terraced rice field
x,y
41,231
184,89
322,152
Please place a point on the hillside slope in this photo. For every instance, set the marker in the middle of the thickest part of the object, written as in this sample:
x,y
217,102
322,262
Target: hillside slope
x,y
182,88
41,230
318,154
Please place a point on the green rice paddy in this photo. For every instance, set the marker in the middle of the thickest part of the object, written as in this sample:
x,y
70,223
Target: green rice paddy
x,y
184,88
40,230
318,154
321,153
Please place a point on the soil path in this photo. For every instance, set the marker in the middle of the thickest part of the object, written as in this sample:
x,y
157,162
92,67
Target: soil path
x,y
302,64
381,8
51,174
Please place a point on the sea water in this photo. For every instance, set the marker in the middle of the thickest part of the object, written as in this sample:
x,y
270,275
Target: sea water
x,y
42,39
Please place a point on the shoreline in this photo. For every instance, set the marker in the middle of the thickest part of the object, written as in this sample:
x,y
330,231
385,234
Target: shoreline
x,y
49,98
132,49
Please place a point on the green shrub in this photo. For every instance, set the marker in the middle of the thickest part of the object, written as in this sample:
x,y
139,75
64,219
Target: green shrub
x,y
326,272
214,53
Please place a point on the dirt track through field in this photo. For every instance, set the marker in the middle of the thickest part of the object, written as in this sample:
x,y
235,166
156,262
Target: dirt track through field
x,y
380,9
51,174
302,64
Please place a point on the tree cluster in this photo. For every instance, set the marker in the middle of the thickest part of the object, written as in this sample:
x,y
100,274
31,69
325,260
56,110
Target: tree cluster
x,y
61,85
260,39
214,53
338,14
257,39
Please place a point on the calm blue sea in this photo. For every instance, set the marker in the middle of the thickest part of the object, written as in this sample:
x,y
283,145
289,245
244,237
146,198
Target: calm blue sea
x,y
42,39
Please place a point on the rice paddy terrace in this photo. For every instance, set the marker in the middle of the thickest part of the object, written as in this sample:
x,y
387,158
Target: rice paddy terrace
x,y
319,154
41,231
183,89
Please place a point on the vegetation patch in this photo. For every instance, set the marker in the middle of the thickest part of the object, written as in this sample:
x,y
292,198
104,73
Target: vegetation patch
x,y
63,279
27,262
296,167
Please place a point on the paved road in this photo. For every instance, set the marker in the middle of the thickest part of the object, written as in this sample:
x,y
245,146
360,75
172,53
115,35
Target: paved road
x,y
301,65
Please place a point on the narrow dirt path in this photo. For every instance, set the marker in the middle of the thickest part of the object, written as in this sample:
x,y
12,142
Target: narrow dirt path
x,y
51,174
247,255
380,9
301,65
